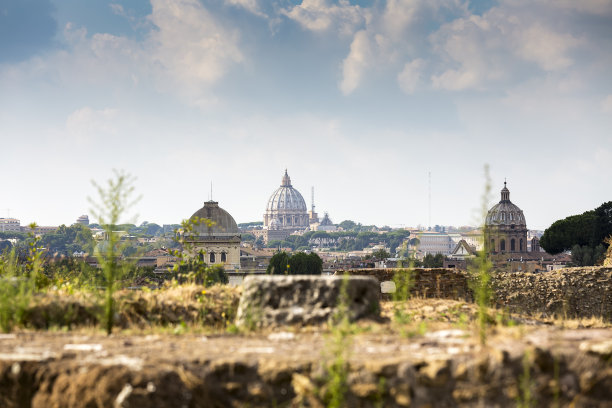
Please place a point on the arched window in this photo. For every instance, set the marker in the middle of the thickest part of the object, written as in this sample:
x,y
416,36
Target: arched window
x,y
223,257
512,245
502,245
521,245
492,245
212,257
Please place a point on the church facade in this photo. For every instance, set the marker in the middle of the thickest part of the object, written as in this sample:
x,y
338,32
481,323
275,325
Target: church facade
x,y
505,227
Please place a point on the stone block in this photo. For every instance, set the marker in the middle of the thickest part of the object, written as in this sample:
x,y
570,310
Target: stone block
x,y
304,300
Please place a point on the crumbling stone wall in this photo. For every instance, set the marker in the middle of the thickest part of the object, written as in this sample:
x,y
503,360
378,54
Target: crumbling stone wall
x,y
569,292
426,282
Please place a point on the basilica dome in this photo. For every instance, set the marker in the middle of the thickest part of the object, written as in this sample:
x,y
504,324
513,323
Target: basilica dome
x,y
223,224
286,207
505,227
505,212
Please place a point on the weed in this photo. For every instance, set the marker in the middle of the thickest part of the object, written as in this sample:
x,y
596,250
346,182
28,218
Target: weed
x,y
114,201
338,346
481,268
525,398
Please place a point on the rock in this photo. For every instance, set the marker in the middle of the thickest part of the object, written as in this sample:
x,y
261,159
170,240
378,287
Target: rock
x,y
304,300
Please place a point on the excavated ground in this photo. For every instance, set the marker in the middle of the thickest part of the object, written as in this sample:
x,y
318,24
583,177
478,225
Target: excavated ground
x,y
429,356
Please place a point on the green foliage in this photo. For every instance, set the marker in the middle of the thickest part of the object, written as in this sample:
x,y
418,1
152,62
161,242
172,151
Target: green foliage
x,y
525,399
348,225
380,254
278,264
299,263
248,237
587,256
114,201
191,263
18,283
13,234
433,261
337,350
68,240
480,269
591,228
246,225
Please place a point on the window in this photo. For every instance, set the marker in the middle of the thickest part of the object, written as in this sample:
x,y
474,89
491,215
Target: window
x,y
512,245
212,257
521,245
223,257
493,245
502,245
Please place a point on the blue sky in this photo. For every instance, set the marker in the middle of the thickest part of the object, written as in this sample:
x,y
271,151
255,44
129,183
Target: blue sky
x,y
360,99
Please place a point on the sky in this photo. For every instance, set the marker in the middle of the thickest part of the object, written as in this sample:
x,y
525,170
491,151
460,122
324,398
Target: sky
x,y
378,104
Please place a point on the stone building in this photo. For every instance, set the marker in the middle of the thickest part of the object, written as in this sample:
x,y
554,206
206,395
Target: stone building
x,y
218,238
286,212
286,207
505,227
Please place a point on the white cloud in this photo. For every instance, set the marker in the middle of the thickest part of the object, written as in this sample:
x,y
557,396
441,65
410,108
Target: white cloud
x,y
321,15
249,5
356,63
186,52
86,124
189,46
410,77
546,48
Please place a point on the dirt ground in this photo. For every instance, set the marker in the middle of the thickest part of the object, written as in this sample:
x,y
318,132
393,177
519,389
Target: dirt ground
x,y
427,353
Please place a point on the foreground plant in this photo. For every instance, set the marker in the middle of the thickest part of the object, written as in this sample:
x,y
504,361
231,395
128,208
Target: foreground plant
x,y
19,283
115,199
481,267
338,347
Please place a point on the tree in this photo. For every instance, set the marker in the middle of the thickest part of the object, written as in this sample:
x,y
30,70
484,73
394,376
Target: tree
x,y
590,228
347,225
305,264
433,261
67,240
380,254
278,264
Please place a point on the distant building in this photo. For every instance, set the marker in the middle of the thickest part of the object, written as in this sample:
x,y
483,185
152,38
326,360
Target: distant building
x,y
434,243
40,230
286,212
83,220
217,242
326,224
10,225
505,227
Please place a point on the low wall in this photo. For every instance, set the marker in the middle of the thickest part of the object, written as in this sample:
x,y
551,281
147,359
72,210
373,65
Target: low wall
x,y
426,282
569,292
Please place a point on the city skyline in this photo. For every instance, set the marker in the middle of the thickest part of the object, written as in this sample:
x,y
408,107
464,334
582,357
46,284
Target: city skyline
x,y
361,100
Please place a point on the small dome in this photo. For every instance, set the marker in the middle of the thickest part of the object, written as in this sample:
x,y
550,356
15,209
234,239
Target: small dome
x,y
286,198
223,223
505,212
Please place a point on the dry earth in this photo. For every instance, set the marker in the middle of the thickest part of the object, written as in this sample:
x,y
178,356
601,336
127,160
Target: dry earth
x,y
433,358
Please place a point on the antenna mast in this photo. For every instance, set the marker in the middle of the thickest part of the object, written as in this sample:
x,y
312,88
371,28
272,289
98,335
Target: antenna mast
x,y
211,191
312,198
429,177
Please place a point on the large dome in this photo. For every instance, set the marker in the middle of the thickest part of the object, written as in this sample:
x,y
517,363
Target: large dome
x,y
224,224
505,212
286,198
287,206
